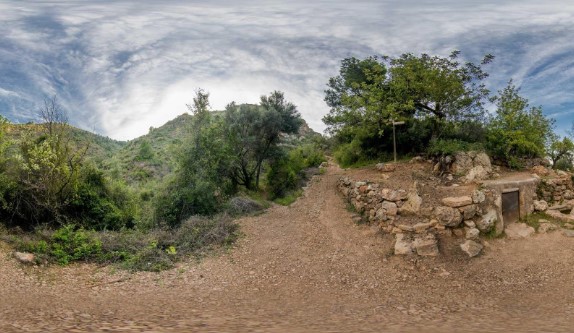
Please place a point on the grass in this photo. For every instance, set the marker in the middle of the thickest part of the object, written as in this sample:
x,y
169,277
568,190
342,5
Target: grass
x,y
533,220
289,198
134,250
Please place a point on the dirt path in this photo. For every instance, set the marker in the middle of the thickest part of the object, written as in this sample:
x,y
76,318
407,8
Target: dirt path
x,y
305,268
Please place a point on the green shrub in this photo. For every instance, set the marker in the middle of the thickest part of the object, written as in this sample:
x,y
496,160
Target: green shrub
x,y
101,205
444,147
65,245
180,200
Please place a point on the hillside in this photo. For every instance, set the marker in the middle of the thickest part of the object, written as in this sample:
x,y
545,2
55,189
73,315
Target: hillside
x,y
100,148
151,157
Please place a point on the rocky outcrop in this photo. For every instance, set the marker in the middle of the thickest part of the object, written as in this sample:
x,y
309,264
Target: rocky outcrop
x,y
471,166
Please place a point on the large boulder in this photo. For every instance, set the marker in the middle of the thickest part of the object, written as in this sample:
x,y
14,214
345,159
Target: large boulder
x,y
471,165
476,173
448,216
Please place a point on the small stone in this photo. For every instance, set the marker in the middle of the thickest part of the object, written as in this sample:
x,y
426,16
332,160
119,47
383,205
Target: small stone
x,y
568,233
478,196
472,233
405,227
471,248
468,212
385,167
403,245
458,232
393,195
518,230
412,205
546,227
470,223
422,227
568,226
390,208
25,257
540,205
447,216
456,202
426,246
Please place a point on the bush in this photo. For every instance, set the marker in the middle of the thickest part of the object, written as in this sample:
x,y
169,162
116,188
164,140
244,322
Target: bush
x,y
441,147
180,200
99,205
65,245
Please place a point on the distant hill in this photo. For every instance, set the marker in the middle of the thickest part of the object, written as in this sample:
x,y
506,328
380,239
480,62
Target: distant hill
x,y
100,147
144,162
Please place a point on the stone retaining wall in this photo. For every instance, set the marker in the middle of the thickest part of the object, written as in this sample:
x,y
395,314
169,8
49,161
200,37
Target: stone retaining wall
x,y
555,190
465,216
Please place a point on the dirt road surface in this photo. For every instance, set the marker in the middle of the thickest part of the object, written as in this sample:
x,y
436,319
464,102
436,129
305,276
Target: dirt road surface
x,y
305,268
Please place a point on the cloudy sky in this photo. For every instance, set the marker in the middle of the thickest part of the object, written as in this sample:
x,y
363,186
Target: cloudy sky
x,y
119,67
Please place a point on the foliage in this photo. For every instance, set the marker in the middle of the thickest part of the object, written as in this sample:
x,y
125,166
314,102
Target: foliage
x,y
561,152
436,97
101,205
286,170
253,133
65,245
440,147
516,131
145,151
46,172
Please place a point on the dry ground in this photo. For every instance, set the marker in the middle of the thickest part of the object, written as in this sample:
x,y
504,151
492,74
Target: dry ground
x,y
305,268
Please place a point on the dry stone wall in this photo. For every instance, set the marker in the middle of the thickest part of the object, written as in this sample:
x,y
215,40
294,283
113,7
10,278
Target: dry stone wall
x,y
398,211
555,190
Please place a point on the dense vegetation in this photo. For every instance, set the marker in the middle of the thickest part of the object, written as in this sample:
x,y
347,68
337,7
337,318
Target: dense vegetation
x,y
148,202
442,103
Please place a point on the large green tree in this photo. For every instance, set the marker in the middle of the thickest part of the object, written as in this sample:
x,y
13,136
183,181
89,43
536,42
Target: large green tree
x,y
253,132
380,89
517,131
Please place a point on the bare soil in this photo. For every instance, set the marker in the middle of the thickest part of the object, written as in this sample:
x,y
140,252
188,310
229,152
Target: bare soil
x,y
305,268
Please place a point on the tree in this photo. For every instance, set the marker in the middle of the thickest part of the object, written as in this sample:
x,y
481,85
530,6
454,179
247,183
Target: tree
x,y
438,87
431,94
253,132
517,131
5,180
560,150
48,169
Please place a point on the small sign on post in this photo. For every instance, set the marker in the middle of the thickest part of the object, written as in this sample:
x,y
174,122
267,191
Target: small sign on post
x,y
394,137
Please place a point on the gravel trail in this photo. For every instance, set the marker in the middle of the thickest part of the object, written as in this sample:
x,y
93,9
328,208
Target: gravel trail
x,y
305,268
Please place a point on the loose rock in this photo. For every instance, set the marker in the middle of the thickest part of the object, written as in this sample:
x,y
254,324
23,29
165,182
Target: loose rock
x,y
540,205
518,230
447,216
456,202
471,248
403,244
25,257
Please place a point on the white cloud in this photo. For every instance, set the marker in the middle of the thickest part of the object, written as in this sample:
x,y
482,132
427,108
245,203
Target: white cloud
x,y
123,66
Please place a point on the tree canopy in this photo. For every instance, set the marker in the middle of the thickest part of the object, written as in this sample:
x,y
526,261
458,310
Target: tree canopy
x,y
372,91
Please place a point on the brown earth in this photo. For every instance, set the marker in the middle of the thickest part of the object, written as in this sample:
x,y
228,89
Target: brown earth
x,y
305,268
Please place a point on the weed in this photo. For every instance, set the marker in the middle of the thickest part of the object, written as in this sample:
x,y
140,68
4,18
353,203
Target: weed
x,y
289,198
